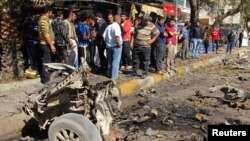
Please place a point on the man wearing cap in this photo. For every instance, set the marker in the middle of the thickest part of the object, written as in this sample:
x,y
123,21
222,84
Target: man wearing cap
x,y
145,34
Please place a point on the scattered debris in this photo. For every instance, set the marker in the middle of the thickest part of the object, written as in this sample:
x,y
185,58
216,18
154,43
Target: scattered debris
x,y
244,105
167,121
143,93
154,112
232,94
113,136
143,101
146,107
142,119
196,126
244,54
176,106
198,93
201,117
206,112
243,78
204,128
159,136
226,122
153,90
151,132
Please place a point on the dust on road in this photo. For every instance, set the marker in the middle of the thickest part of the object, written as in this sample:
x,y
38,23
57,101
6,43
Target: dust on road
x,y
182,108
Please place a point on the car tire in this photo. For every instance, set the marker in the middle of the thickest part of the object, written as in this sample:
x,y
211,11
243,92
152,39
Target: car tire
x,y
75,127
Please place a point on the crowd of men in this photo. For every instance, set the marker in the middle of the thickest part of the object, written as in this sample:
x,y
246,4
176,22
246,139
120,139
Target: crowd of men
x,y
121,43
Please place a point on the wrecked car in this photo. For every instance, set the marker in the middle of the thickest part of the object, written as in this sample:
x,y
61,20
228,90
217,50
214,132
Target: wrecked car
x,y
72,109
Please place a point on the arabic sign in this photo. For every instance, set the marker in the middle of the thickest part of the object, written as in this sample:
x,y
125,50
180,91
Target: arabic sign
x,y
148,9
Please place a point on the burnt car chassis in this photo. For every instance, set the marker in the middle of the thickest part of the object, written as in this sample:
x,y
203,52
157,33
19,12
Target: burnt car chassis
x,y
71,108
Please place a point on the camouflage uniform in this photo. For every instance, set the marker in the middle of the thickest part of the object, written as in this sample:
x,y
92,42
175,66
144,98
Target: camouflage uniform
x,y
61,40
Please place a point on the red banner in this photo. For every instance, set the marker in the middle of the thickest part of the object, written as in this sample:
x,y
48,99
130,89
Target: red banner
x,y
170,10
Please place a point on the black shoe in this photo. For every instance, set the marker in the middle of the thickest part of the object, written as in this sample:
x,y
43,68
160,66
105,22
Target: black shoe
x,y
45,81
133,74
143,76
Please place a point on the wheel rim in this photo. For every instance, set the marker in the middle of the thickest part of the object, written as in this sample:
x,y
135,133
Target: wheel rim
x,y
67,135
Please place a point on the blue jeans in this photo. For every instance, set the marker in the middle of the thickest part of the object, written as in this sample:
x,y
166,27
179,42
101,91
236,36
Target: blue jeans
x,y
196,47
114,58
215,42
230,46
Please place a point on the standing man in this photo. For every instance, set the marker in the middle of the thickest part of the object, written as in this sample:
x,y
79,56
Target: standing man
x,y
185,32
206,40
83,34
92,46
215,38
61,38
126,57
197,36
72,49
100,26
230,42
144,35
113,39
30,35
171,44
240,38
46,41
160,50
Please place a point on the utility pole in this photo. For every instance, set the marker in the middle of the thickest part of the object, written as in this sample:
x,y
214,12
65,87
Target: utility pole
x,y
198,9
176,10
218,11
176,18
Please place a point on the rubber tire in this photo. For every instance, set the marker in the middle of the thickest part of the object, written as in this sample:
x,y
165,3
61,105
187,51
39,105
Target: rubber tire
x,y
77,123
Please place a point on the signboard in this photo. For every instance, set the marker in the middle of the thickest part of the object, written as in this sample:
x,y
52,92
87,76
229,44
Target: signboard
x,y
148,9
170,10
203,23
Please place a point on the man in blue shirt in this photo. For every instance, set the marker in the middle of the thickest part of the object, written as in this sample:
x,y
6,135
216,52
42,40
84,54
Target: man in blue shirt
x,y
160,50
184,39
83,34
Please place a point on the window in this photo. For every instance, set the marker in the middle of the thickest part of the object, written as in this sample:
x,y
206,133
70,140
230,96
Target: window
x,y
181,3
187,4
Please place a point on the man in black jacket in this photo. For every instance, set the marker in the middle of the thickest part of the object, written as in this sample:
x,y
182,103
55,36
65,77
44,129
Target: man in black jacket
x,y
240,38
30,35
100,26
196,34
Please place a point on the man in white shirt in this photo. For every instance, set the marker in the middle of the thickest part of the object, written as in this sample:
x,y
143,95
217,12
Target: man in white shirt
x,y
72,50
113,39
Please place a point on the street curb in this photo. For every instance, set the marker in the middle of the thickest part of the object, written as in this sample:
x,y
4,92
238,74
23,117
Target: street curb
x,y
12,126
133,86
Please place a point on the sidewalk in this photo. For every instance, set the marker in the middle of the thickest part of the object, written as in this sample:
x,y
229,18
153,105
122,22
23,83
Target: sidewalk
x,y
13,94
